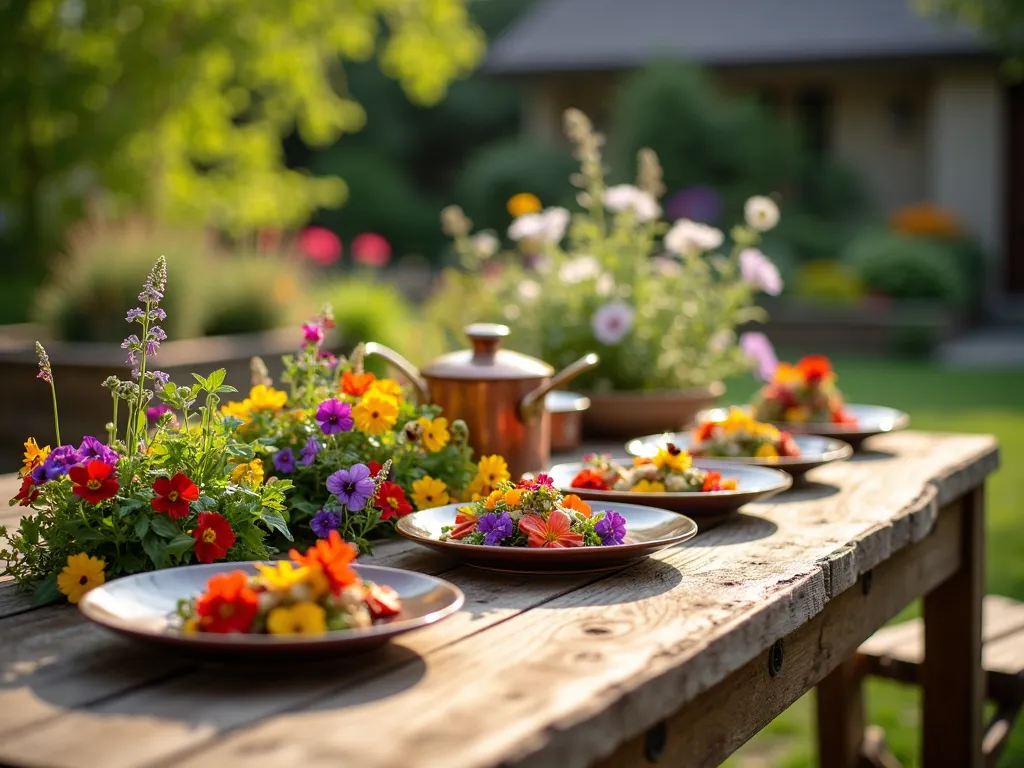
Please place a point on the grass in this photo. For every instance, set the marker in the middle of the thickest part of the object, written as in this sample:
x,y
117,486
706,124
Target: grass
x,y
943,401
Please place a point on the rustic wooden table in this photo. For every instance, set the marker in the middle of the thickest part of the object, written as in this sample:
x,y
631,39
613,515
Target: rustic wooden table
x,y
675,661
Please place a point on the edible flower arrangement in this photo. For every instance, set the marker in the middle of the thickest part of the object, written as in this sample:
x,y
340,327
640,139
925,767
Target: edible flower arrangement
x,y
805,393
169,485
670,470
336,425
310,594
740,435
660,301
532,513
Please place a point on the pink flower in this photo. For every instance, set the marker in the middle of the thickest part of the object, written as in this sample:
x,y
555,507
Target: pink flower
x,y
313,333
612,322
758,348
321,245
371,250
758,270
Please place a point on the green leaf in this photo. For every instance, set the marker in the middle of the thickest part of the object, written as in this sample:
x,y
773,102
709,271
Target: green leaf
x,y
215,379
141,526
129,505
156,549
180,544
277,522
163,526
47,591
202,382
80,532
225,388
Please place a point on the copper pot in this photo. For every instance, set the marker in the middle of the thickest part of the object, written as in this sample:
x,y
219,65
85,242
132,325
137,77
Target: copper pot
x,y
497,392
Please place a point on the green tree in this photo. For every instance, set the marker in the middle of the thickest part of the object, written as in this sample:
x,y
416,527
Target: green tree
x,y
177,107
1000,20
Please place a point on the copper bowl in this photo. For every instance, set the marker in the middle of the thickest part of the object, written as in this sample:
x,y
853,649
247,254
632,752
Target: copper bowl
x,y
566,409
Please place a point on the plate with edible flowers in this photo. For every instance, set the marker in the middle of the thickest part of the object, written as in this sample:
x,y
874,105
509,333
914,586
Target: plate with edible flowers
x,y
531,526
739,439
313,604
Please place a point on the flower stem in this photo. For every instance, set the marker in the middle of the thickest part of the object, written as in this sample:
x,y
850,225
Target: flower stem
x,y
56,420
112,434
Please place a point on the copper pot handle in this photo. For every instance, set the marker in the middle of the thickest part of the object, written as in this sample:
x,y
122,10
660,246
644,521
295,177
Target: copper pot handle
x,y
533,401
408,369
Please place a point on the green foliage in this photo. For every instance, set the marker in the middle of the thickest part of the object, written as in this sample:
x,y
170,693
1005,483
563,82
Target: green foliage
x,y
828,281
906,267
249,293
1000,20
178,106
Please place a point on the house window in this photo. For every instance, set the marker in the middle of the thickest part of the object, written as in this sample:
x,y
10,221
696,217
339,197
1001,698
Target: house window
x,y
814,118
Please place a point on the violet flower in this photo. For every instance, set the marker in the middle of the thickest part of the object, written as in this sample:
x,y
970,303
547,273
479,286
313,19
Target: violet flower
x,y
324,522
309,452
56,465
495,528
334,416
758,348
352,486
284,461
91,448
611,528
313,333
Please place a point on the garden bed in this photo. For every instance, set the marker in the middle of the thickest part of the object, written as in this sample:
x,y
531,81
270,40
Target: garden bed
x,y
80,368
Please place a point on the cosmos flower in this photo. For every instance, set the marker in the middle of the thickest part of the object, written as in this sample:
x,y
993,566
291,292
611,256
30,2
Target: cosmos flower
x,y
547,227
612,322
689,237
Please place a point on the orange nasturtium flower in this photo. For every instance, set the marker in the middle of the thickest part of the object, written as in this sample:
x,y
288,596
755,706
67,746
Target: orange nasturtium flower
x,y
574,502
356,384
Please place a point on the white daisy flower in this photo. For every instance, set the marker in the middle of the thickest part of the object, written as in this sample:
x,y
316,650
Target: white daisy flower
x,y
688,237
761,213
548,226
485,244
627,197
612,322
579,269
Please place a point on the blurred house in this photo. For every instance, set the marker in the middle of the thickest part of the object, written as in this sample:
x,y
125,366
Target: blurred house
x,y
917,107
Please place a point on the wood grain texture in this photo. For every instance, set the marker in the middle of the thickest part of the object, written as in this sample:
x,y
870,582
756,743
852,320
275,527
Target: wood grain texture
x,y
565,678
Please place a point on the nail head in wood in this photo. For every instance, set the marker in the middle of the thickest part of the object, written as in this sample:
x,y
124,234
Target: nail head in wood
x,y
775,658
655,742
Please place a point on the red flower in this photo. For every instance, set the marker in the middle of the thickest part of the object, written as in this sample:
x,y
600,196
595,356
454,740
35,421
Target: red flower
x,y
391,500
213,536
713,482
321,245
374,468
356,384
333,556
553,533
27,495
174,495
371,250
228,605
814,368
592,479
382,601
787,445
93,481
703,432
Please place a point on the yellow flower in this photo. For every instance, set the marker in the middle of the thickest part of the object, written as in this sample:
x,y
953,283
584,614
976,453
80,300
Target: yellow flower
x,y
788,374
435,433
795,415
522,203
34,455
513,498
81,574
648,486
766,430
299,414
298,619
375,413
250,474
388,387
493,470
428,492
492,499
675,462
283,576
264,398
191,626
242,410
767,451
737,421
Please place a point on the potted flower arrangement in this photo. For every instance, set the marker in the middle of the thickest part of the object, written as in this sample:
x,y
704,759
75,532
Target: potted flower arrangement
x,y
335,427
177,485
660,304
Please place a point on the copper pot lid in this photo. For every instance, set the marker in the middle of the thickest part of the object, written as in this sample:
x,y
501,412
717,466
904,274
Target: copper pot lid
x,y
487,361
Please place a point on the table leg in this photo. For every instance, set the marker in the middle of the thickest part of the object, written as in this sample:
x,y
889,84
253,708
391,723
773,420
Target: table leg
x,y
840,716
952,678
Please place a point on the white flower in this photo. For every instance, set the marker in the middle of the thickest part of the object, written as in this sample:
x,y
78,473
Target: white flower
x,y
579,269
612,322
605,285
485,244
548,226
529,290
627,197
688,237
721,340
758,270
761,213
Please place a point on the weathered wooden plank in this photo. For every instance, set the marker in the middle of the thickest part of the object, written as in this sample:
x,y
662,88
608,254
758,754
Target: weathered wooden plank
x,y
13,601
952,678
592,667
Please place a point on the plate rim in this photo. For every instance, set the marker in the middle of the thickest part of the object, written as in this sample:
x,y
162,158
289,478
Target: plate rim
x,y
837,453
94,614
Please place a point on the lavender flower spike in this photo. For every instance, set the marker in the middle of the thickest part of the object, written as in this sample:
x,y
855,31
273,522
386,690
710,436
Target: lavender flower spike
x,y
156,282
45,371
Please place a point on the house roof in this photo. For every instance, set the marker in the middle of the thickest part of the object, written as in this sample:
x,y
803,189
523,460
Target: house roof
x,y
578,35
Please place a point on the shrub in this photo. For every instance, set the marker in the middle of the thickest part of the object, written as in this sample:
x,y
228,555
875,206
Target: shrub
x,y
830,281
249,293
906,267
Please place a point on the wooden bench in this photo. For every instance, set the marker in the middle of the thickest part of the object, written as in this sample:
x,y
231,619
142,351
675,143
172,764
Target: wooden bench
x,y
896,653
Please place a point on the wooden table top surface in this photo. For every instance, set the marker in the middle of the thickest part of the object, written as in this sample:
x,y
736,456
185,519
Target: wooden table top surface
x,y
539,670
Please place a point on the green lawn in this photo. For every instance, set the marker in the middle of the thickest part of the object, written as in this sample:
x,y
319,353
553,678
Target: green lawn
x,y
940,400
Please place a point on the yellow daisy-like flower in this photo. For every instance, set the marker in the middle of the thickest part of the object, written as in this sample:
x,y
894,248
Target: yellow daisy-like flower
x,y
239,410
648,486
388,387
513,498
767,451
299,619
283,576
788,374
675,462
493,470
375,413
428,492
250,473
767,431
81,574
737,421
434,433
34,455
796,415
264,398
477,489
523,203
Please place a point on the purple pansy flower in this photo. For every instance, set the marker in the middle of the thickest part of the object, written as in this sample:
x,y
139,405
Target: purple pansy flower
x,y
284,460
334,416
309,451
352,486
495,528
56,464
313,333
324,522
91,448
611,528
758,348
